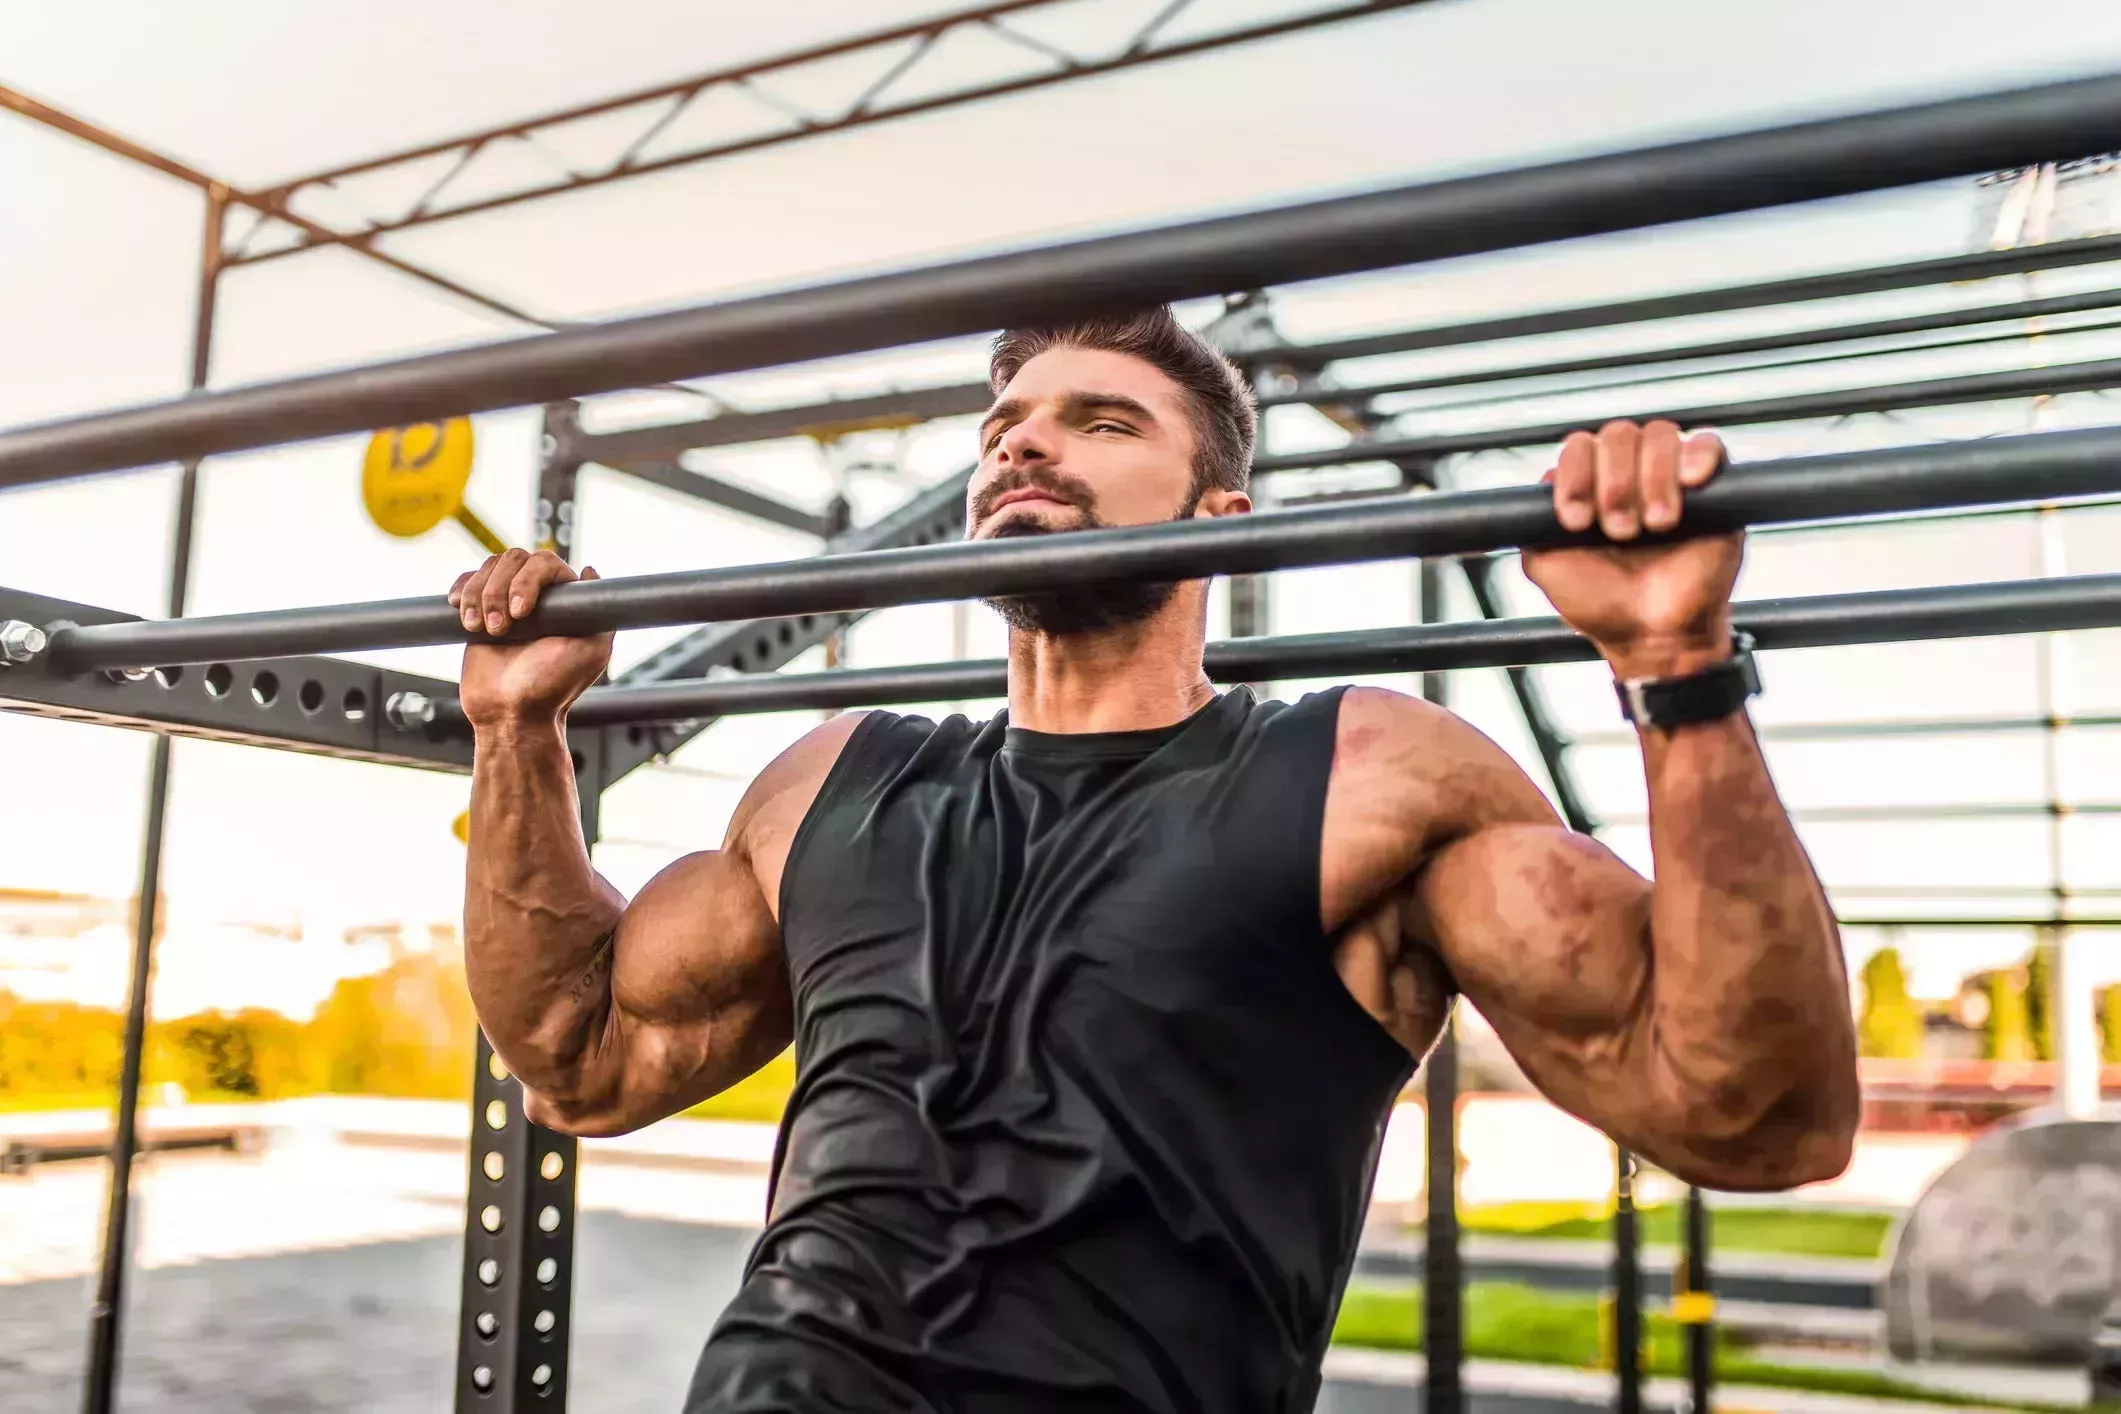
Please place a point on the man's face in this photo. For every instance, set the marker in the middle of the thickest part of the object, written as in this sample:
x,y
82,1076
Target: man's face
x,y
1081,439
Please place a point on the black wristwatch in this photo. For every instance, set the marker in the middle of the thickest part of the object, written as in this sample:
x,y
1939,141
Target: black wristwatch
x,y
1707,696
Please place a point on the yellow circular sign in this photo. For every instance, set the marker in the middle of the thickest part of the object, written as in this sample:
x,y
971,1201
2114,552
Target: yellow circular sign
x,y
413,477
461,828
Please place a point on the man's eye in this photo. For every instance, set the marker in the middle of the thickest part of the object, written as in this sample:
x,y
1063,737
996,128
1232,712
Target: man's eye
x,y
1108,427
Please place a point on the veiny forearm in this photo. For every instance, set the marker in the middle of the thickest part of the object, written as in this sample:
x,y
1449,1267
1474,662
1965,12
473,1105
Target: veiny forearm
x,y
1751,1036
538,920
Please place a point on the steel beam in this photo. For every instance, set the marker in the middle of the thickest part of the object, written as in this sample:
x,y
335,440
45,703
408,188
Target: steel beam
x,y
516,1308
1892,727
1841,402
1547,739
1954,611
727,494
1675,363
322,706
917,405
2035,466
872,102
1761,294
1501,210
931,517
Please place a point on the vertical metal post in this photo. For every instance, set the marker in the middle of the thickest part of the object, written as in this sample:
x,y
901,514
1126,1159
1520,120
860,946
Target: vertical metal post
x,y
1627,1288
552,522
1443,1319
514,1318
1695,1305
107,1314
515,1312
1248,605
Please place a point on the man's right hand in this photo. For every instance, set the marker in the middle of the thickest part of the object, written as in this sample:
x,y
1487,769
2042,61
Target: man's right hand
x,y
536,679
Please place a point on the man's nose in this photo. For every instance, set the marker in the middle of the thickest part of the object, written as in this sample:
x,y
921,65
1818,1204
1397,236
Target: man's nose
x,y
1030,440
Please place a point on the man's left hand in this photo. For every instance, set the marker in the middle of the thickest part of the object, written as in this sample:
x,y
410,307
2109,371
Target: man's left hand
x,y
1653,610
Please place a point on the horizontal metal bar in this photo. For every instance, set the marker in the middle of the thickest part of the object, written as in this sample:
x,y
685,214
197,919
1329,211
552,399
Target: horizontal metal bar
x,y
322,706
729,496
2013,921
816,419
1871,731
1667,365
1524,206
927,404
1954,611
2040,466
1955,891
1762,294
1894,814
1936,392
930,517
859,111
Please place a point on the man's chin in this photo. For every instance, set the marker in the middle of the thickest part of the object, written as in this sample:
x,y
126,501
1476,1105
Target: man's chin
x,y
1009,523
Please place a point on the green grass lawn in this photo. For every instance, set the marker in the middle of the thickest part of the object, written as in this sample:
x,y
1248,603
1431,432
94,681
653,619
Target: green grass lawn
x,y
1803,1231
1509,1322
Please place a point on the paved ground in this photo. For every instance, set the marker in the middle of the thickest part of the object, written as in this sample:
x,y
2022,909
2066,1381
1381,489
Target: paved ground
x,y
372,1328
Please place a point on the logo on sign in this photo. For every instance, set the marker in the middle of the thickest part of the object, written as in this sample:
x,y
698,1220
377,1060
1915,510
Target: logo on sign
x,y
413,478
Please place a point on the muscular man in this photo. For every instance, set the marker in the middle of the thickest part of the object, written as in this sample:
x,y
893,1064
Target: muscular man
x,y
1099,1007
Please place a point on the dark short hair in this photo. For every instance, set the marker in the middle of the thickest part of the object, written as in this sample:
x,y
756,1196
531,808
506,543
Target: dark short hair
x,y
1225,420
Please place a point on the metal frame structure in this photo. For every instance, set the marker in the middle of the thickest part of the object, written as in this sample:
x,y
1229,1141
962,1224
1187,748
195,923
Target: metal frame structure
x,y
866,96
65,656
1315,240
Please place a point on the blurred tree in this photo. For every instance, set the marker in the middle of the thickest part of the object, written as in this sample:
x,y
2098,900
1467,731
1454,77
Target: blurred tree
x,y
2007,1035
57,1049
407,1030
2040,999
1890,1026
254,1053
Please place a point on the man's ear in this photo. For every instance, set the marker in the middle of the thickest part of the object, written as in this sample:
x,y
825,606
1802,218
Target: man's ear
x,y
1223,503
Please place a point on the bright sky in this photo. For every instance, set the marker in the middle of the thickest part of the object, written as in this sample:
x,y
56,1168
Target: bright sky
x,y
99,310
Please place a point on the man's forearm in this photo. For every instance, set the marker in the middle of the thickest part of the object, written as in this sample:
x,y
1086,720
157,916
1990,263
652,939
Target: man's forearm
x,y
1753,1032
538,920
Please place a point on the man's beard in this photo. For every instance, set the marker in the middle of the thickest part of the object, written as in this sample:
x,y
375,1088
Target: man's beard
x,y
1086,608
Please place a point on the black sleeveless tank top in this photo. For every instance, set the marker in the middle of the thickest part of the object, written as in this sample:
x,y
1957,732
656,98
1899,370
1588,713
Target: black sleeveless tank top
x,y
1084,1117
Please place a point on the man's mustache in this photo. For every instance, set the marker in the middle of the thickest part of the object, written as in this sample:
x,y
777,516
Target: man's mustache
x,y
1064,489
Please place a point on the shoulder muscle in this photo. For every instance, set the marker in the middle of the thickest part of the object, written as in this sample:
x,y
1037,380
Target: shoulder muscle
x,y
1409,777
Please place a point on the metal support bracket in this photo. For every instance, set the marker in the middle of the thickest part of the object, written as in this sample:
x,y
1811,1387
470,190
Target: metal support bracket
x,y
672,476
763,645
518,1281
324,706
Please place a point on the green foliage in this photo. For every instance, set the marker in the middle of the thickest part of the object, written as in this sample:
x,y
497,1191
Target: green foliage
x,y
57,1048
254,1053
405,1031
1509,1322
1891,1024
2007,1035
2040,999
1822,1232
408,1031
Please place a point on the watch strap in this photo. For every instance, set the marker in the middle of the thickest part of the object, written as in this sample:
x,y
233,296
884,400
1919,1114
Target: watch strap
x,y
1709,695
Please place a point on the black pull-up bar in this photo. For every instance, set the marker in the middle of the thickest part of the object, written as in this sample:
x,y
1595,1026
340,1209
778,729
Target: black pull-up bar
x,y
1497,211
1811,621
2032,467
